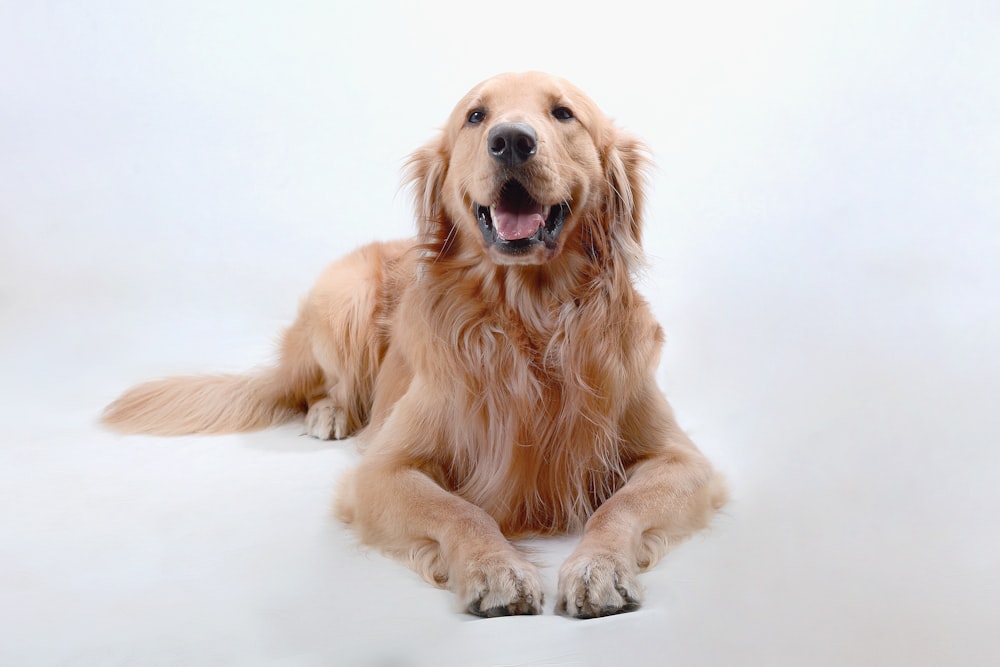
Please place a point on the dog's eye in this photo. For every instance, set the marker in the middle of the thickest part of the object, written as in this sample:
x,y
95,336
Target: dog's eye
x,y
562,113
476,117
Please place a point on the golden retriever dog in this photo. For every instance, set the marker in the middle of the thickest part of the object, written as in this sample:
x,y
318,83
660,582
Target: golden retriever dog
x,y
499,368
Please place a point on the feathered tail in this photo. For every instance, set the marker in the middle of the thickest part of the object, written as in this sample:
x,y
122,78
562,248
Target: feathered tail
x,y
221,403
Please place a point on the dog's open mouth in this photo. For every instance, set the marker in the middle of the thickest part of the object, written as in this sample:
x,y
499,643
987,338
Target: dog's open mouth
x,y
516,222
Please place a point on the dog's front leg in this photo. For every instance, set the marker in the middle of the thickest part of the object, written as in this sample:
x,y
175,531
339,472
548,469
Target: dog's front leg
x,y
448,540
668,496
665,500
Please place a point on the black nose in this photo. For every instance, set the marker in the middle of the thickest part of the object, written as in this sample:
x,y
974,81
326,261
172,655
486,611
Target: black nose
x,y
512,144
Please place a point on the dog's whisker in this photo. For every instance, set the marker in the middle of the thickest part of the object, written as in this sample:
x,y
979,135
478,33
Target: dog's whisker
x,y
448,240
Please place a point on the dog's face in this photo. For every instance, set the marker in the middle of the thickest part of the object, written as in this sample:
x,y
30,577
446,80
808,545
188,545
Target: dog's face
x,y
523,160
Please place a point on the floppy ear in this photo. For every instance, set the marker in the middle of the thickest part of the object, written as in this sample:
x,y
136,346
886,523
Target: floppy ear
x,y
425,173
626,160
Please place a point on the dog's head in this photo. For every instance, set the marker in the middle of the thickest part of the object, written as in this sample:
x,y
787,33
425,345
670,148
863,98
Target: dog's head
x,y
526,168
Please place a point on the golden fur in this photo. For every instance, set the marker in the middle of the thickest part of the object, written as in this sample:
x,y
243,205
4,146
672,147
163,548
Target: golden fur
x,y
501,387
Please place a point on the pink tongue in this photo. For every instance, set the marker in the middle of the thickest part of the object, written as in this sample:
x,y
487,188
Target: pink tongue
x,y
514,225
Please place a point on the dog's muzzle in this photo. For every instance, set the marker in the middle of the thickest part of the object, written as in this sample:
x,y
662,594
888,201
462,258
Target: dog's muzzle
x,y
516,223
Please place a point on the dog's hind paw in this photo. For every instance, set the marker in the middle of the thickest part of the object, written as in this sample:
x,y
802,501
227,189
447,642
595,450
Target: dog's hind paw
x,y
326,420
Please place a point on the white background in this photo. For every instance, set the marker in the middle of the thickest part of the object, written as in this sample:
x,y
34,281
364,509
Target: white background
x,y
824,247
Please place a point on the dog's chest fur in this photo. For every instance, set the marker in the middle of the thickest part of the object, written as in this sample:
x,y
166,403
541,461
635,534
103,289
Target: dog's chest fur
x,y
535,403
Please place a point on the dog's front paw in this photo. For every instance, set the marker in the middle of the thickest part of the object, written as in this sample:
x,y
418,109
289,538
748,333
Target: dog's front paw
x,y
499,586
326,420
597,584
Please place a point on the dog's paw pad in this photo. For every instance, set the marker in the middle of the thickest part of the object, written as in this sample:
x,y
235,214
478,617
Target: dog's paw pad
x,y
326,421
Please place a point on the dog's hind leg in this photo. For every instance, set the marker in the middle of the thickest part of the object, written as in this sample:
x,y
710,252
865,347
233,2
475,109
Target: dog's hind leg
x,y
345,317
